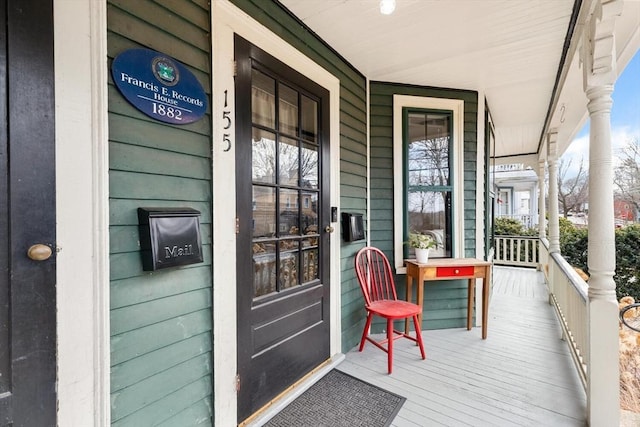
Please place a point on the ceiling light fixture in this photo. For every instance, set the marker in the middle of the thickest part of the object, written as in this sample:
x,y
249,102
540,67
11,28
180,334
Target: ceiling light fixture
x,y
387,6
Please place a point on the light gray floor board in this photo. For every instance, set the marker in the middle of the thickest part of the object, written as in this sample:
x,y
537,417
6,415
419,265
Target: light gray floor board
x,y
521,375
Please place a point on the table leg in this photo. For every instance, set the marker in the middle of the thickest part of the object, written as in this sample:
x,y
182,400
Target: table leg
x,y
486,284
420,296
409,283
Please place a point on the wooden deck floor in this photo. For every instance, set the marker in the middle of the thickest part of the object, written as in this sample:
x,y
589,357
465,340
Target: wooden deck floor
x,y
521,375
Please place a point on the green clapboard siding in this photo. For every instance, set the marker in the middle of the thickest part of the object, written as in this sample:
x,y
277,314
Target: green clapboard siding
x,y
161,323
353,140
444,302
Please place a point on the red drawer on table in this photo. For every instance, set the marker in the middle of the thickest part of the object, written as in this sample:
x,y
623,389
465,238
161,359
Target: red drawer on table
x,y
454,271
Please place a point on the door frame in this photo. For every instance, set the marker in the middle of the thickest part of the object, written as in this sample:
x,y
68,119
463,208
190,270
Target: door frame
x,y
81,84
227,20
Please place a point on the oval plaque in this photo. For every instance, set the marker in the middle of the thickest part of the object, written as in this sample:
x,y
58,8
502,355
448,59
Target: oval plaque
x,y
159,86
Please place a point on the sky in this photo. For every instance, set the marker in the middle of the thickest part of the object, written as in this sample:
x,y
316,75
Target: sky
x,y
625,116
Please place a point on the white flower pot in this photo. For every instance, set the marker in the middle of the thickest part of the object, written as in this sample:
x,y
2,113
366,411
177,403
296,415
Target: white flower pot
x,y
422,255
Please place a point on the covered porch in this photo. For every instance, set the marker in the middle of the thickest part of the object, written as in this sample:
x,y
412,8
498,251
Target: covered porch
x,y
493,82
523,124
522,375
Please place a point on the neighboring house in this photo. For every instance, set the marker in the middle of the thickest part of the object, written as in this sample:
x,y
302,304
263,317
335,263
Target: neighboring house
x,y
310,109
516,189
624,211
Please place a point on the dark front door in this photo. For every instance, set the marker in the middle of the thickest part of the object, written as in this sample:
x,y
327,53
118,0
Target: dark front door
x,y
282,208
27,215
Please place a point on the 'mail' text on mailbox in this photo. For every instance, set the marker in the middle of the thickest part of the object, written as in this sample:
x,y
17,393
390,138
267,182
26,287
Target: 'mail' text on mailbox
x,y
175,251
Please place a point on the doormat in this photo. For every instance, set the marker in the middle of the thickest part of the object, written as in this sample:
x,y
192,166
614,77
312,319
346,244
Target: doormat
x,y
338,399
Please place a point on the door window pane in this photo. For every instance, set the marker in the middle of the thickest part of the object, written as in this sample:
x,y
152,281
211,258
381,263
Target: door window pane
x,y
289,218
289,161
288,104
288,263
309,166
309,119
309,212
264,268
263,156
310,260
263,99
264,211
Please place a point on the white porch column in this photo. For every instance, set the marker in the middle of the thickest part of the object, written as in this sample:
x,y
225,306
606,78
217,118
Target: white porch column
x,y
554,225
603,381
533,200
542,207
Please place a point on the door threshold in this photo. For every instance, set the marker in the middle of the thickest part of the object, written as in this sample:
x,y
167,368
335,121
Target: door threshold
x,y
271,409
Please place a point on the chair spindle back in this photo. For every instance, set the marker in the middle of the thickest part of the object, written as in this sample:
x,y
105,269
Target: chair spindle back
x,y
375,275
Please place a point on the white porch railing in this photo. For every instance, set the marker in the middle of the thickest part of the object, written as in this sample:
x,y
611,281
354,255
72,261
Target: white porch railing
x,y
521,251
568,295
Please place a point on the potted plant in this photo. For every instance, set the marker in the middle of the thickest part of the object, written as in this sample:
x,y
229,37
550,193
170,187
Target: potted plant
x,y
421,243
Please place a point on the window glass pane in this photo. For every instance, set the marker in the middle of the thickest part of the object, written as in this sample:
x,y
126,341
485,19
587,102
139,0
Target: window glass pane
x,y
289,161
309,166
429,212
289,255
309,211
309,119
309,260
264,268
428,149
285,186
264,211
504,203
289,219
263,99
263,156
288,105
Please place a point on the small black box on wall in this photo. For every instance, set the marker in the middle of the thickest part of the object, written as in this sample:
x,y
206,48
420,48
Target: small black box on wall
x,y
169,237
352,227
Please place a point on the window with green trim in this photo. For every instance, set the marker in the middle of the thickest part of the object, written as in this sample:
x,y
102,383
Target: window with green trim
x,y
428,177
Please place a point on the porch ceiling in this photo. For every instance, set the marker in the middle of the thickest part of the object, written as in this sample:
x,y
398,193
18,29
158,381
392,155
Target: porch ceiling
x,y
510,50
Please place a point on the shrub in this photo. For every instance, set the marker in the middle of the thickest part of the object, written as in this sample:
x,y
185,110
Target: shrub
x,y
573,247
512,227
628,261
566,226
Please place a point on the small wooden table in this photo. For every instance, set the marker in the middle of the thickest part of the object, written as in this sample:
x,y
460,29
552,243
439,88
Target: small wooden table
x,y
448,269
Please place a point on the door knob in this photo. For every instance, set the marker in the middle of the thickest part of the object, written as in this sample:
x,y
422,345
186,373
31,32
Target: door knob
x,y
39,252
328,229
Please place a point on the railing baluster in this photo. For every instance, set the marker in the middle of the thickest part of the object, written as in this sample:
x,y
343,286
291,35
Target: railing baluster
x,y
569,298
511,250
516,250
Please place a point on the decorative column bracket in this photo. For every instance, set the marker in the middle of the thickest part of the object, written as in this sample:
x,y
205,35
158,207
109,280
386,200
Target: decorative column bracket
x,y
598,54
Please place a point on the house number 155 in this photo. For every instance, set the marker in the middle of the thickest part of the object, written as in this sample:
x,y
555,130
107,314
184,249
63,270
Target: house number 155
x,y
226,137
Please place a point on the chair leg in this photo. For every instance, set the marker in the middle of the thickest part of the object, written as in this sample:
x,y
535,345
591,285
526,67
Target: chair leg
x,y
419,335
365,332
390,345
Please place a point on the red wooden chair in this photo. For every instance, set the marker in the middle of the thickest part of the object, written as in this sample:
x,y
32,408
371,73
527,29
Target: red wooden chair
x,y
379,290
